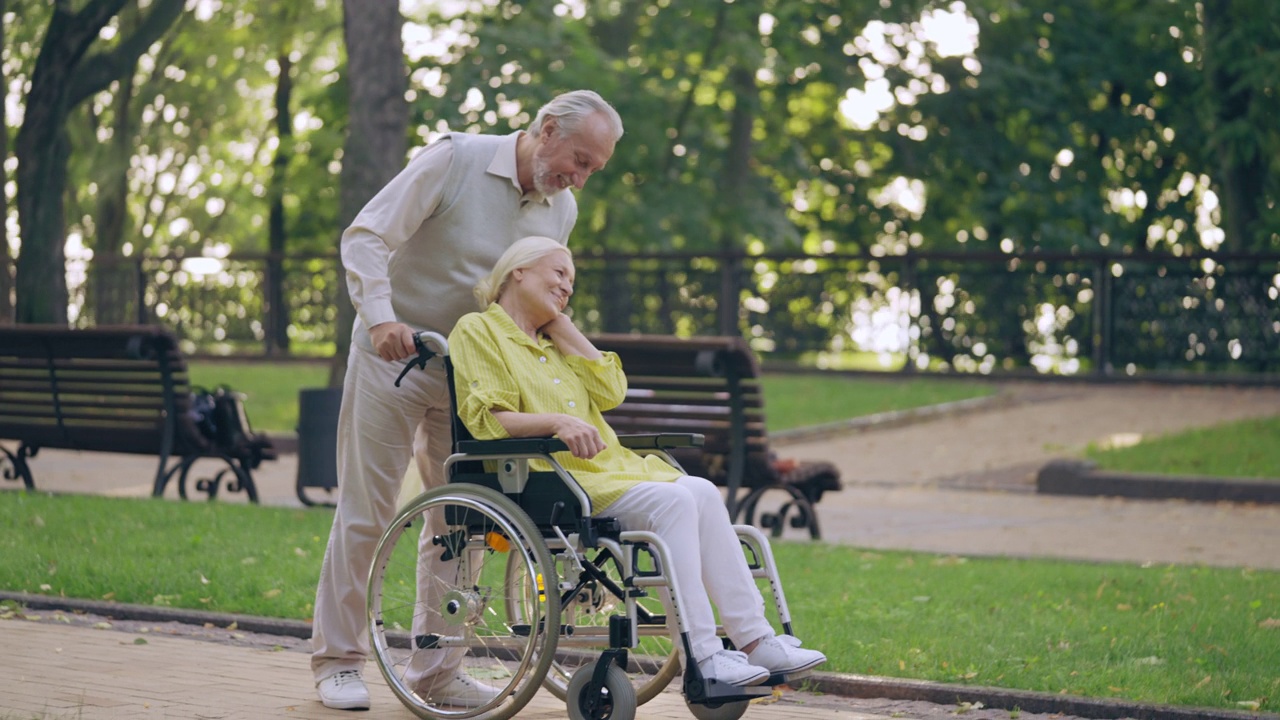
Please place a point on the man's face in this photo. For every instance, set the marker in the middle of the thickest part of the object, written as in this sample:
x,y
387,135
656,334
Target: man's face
x,y
567,161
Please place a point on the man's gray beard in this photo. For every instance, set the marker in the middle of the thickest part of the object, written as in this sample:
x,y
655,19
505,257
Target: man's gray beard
x,y
541,179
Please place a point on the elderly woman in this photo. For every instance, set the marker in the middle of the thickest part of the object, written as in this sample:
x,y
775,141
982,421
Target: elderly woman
x,y
522,369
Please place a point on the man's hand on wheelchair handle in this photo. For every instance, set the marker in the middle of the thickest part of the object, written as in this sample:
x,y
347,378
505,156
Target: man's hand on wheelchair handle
x,y
392,340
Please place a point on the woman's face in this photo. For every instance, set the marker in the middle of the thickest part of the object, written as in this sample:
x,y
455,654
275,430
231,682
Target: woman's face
x,y
544,287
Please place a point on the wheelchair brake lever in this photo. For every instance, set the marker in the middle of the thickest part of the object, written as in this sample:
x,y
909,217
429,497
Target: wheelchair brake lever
x,y
420,361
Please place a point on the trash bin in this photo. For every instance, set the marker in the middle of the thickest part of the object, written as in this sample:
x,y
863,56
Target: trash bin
x,y
318,441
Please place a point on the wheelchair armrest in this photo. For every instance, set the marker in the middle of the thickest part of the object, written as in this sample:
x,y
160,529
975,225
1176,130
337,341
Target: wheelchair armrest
x,y
512,446
661,441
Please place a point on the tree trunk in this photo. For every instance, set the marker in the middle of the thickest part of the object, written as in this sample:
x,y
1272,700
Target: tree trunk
x,y
63,78
1242,167
277,329
111,278
377,136
737,173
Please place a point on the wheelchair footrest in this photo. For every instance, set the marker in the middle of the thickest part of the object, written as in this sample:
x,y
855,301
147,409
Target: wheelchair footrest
x,y
717,693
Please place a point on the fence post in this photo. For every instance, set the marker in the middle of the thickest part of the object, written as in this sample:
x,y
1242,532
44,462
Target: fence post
x,y
140,282
1102,318
908,285
730,292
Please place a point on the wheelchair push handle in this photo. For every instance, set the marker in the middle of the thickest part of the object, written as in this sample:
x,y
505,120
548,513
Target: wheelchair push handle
x,y
428,344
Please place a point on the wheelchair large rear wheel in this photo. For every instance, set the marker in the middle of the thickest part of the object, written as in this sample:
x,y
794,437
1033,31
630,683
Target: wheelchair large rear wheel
x,y
586,608
438,600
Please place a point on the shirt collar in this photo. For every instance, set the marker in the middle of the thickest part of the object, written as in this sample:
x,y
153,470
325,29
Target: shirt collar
x,y
504,324
504,166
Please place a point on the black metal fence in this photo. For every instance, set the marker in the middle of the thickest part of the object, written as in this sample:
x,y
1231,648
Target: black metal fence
x,y
1061,313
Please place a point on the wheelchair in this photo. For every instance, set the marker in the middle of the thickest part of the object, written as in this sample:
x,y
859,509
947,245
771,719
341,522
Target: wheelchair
x,y
533,590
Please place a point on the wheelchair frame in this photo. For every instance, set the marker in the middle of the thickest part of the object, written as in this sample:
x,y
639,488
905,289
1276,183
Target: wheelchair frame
x,y
512,630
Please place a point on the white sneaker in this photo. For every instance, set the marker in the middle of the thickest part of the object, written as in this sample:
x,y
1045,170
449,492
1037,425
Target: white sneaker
x,y
461,690
732,668
344,690
782,655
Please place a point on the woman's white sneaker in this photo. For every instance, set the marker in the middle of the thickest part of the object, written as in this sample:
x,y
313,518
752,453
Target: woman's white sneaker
x,y
731,667
782,655
344,690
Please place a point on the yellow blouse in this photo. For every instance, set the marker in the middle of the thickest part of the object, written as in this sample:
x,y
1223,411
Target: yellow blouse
x,y
497,366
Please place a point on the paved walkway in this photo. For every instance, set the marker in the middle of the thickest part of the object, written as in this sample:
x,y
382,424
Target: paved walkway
x,y
958,484
57,671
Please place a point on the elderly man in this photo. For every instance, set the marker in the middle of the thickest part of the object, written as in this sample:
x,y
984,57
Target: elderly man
x,y
413,255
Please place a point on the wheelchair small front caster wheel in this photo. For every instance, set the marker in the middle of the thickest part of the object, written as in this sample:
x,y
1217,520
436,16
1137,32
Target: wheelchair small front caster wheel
x,y
616,700
726,711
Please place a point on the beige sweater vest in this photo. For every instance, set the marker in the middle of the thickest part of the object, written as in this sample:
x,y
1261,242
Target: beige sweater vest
x,y
480,215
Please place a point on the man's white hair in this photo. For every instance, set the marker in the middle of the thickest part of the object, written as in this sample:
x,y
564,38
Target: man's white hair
x,y
571,108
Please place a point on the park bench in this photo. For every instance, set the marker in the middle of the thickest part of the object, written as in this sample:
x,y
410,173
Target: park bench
x,y
113,389
711,386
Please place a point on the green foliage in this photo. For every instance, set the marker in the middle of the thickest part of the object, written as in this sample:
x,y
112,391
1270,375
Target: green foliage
x,y
818,125
1248,448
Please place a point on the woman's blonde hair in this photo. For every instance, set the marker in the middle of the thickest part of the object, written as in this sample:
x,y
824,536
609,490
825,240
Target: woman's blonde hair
x,y
523,253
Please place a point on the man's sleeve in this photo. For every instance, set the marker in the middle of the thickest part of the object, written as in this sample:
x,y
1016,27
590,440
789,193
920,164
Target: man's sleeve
x,y
385,224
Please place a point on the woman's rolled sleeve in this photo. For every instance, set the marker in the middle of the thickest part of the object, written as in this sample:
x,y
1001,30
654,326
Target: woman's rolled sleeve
x,y
603,379
481,380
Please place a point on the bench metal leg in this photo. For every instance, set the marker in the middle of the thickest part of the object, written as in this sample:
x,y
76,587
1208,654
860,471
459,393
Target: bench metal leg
x,y
17,464
804,513
241,478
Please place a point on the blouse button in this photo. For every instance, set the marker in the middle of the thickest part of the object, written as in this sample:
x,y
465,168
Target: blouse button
x,y
542,359
556,381
572,404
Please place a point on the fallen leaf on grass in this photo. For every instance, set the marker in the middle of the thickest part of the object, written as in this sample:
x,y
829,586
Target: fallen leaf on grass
x,y
1203,682
1249,704
272,593
1270,624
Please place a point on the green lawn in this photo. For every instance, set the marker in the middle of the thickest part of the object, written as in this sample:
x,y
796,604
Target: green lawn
x,y
793,401
270,387
1168,634
1246,449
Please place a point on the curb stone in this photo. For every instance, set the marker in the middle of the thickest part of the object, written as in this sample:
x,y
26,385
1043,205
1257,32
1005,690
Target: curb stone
x,y
842,684
1081,477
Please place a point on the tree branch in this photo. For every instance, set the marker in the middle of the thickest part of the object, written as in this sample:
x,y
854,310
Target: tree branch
x,y
101,69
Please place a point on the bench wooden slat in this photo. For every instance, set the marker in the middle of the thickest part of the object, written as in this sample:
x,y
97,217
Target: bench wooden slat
x,y
112,389
711,386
